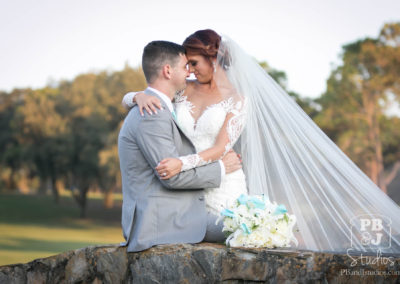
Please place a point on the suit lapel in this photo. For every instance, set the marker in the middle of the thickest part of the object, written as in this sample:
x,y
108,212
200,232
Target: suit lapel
x,y
163,104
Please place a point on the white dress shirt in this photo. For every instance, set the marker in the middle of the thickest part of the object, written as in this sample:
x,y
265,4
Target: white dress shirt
x,y
164,97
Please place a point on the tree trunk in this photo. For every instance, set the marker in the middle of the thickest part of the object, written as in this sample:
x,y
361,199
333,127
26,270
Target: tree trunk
x,y
381,170
43,185
11,180
54,189
109,198
393,172
376,159
80,197
83,206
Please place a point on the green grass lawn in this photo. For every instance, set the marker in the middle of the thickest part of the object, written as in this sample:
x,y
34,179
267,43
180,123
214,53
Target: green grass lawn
x,y
34,226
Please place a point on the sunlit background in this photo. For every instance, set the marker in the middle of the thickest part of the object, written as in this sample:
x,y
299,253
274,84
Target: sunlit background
x,y
65,65
51,40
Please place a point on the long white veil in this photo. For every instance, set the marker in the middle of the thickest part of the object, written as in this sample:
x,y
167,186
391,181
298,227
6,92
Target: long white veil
x,y
287,157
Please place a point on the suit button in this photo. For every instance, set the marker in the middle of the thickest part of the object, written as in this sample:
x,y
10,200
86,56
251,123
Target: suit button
x,y
201,198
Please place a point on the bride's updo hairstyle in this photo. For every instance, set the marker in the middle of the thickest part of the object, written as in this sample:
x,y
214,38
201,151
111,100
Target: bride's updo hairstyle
x,y
206,43
203,42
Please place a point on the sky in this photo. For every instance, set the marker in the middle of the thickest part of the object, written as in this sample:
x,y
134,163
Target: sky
x,y
43,41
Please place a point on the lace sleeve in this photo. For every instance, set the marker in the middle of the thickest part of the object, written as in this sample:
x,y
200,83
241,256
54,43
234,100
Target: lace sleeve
x,y
127,101
192,161
229,134
235,124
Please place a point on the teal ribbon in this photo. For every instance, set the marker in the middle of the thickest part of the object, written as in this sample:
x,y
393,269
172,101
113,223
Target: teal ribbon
x,y
281,209
242,199
257,203
245,229
251,201
228,213
174,115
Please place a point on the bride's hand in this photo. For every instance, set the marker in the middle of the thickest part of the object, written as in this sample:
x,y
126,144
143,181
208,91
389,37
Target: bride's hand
x,y
147,102
169,167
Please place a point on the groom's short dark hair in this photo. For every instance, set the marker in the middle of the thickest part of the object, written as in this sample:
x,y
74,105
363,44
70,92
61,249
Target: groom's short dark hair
x,y
158,53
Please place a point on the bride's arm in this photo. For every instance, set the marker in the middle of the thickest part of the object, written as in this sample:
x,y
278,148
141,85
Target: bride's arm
x,y
227,137
143,101
222,145
128,101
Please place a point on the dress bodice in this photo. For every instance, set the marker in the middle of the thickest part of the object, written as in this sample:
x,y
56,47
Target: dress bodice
x,y
205,130
203,134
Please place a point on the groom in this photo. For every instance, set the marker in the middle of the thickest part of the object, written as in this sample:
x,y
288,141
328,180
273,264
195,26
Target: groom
x,y
157,211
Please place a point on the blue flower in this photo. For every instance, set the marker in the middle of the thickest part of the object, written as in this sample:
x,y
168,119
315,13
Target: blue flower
x,y
281,209
242,199
228,213
257,203
245,229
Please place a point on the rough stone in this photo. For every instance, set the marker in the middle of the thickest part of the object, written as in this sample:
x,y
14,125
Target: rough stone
x,y
201,263
77,268
36,277
111,264
14,274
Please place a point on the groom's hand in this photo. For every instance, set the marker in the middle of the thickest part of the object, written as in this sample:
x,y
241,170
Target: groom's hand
x,y
231,162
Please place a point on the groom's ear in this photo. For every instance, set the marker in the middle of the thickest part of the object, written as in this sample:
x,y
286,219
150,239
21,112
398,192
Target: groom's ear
x,y
167,71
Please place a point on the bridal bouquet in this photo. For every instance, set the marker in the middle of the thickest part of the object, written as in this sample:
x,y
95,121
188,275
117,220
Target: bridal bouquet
x,y
253,221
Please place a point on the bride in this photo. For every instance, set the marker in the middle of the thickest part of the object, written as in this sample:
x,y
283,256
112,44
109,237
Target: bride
x,y
203,102
286,157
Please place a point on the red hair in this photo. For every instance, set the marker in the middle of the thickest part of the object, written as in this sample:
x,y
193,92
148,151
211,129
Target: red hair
x,y
203,42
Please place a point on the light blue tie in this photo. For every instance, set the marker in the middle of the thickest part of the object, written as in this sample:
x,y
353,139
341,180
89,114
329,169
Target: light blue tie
x,y
174,115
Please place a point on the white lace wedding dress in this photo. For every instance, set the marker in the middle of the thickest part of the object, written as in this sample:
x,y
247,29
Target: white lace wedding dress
x,y
203,134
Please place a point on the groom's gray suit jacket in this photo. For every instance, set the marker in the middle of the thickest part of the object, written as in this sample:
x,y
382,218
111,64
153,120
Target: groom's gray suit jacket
x,y
156,211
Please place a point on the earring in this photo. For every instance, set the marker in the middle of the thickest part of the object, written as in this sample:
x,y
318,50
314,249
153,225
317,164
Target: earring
x,y
215,68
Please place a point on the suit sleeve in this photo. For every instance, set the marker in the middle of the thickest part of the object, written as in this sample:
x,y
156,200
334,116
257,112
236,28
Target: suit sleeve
x,y
155,139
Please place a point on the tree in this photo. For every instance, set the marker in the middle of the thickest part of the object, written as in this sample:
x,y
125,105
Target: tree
x,y
358,93
92,106
67,133
41,130
110,177
10,149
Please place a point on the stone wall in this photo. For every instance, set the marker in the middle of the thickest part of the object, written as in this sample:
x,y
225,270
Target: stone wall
x,y
201,263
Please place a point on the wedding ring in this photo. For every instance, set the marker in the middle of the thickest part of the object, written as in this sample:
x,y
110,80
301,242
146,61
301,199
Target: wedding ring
x,y
164,174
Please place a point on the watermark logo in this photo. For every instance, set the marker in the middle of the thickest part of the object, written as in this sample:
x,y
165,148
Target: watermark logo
x,y
370,232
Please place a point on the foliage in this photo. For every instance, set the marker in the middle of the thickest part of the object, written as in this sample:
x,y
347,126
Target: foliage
x,y
354,106
68,133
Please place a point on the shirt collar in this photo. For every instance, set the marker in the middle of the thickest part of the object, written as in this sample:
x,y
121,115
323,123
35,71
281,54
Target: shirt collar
x,y
164,97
